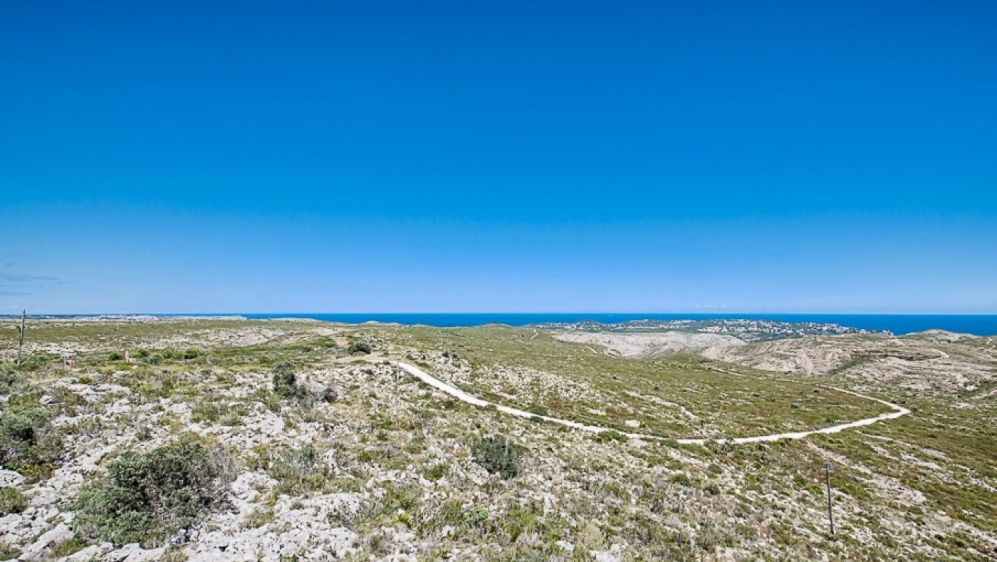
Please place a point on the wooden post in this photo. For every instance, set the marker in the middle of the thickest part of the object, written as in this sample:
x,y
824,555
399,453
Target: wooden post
x,y
20,336
827,482
394,407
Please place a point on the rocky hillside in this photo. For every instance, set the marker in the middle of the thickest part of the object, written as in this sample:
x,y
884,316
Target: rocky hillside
x,y
234,440
928,360
652,344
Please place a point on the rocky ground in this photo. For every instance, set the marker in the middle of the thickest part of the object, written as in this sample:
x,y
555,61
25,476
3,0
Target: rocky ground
x,y
935,359
649,345
352,461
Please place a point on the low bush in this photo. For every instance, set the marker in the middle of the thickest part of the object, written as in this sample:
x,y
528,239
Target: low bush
x,y
28,441
10,378
8,552
147,498
67,548
538,410
497,455
12,501
298,471
607,436
285,384
436,471
359,347
206,411
681,479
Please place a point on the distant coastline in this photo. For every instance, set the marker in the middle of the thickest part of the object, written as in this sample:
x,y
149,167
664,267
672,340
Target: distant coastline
x,y
897,324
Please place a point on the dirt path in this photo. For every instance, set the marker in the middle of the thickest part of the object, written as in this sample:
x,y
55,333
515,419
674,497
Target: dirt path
x,y
474,401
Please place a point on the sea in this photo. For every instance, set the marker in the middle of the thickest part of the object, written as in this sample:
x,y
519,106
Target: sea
x,y
898,324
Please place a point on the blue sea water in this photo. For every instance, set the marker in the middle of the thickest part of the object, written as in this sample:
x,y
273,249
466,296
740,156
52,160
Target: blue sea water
x,y
899,324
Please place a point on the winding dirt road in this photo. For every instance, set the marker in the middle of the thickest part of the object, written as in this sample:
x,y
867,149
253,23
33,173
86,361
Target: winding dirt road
x,y
459,394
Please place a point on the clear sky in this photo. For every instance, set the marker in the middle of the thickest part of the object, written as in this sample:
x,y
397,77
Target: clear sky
x,y
370,156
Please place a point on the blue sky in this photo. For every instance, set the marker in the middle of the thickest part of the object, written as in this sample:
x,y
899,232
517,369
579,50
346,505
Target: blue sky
x,y
498,156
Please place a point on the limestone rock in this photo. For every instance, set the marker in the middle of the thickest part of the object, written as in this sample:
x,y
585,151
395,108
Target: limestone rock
x,y
60,533
10,479
320,392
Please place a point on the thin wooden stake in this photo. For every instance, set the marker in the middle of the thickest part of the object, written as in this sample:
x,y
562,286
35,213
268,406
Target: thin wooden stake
x,y
20,336
827,481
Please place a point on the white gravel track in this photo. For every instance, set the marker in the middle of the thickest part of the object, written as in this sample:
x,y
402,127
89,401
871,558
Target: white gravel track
x,y
459,394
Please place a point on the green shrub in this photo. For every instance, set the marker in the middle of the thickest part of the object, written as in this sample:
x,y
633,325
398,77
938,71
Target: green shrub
x,y
607,436
37,361
8,552
475,517
191,353
497,455
538,410
114,356
12,501
259,517
298,471
206,411
682,479
68,547
27,438
10,378
436,471
359,347
284,380
147,498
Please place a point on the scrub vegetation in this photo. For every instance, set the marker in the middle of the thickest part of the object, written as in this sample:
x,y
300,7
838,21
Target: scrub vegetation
x,y
148,498
227,439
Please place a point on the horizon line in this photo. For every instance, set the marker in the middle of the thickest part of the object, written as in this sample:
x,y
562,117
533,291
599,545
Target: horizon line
x,y
724,313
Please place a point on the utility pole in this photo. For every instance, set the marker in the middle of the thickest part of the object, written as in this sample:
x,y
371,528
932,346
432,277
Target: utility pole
x,y
827,482
20,335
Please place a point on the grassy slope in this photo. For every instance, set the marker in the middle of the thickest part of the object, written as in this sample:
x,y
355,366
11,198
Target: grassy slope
x,y
721,403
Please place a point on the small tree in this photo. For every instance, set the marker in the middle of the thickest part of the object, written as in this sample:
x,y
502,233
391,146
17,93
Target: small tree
x,y
497,455
284,380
